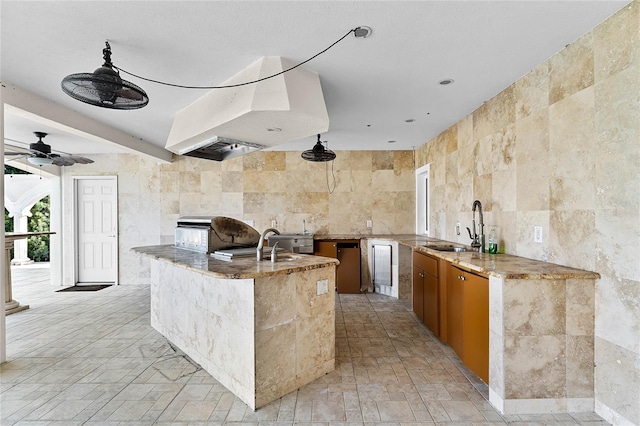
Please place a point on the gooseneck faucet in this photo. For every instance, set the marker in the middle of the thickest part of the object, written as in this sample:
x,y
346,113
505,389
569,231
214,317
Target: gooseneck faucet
x,y
478,234
260,254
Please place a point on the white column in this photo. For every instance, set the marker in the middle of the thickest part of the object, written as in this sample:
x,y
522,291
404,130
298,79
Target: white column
x,y
55,225
20,247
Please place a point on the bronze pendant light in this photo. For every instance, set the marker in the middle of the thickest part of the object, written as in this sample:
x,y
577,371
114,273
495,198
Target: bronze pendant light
x,y
319,153
104,87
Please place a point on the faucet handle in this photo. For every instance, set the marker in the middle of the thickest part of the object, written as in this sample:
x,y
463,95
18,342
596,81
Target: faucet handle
x,y
470,235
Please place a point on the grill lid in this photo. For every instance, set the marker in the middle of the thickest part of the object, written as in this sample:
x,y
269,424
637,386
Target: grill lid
x,y
226,232
199,221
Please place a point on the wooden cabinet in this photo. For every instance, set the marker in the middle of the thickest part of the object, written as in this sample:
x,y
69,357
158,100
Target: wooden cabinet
x,y
418,291
348,253
468,319
326,248
426,292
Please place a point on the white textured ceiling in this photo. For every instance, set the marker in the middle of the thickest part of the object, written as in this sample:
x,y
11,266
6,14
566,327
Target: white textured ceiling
x,y
371,86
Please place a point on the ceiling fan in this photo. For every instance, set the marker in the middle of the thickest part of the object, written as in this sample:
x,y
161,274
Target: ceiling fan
x,y
39,153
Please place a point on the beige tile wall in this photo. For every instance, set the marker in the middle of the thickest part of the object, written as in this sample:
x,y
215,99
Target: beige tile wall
x,y
560,148
262,187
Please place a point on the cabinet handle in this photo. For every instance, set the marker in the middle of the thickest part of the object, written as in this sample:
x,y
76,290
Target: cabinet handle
x,y
461,277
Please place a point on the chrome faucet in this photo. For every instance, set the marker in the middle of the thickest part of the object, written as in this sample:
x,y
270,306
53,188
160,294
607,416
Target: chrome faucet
x,y
477,237
260,254
274,253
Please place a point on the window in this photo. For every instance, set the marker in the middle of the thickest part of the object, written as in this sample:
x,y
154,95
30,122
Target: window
x,y
422,200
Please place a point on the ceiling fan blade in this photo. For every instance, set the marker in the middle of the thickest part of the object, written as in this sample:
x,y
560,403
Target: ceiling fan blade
x,y
63,161
7,153
80,160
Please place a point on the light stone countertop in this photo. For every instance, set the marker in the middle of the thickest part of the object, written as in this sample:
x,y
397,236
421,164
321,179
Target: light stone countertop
x,y
505,266
239,268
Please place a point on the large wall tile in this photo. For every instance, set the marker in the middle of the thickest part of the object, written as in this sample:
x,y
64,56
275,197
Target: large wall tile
x,y
571,70
572,239
617,380
530,358
534,307
532,91
615,42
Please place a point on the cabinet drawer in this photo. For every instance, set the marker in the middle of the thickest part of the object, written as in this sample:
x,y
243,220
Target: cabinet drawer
x,y
425,262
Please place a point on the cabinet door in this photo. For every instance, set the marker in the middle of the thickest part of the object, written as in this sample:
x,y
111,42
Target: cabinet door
x,y
476,325
455,309
348,272
442,298
418,292
430,304
325,248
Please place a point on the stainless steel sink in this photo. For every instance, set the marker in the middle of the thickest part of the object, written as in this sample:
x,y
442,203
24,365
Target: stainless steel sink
x,y
448,248
284,257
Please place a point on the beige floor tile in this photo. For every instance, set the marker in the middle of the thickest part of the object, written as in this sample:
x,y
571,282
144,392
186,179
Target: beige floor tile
x,y
395,411
93,359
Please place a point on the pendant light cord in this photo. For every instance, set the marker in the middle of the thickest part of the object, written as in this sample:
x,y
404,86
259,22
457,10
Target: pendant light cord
x,y
330,189
239,84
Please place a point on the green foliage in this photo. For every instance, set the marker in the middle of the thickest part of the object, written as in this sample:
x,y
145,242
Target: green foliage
x,y
38,246
8,222
9,170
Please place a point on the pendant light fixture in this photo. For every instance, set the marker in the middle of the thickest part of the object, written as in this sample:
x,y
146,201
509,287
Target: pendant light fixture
x,y
318,153
104,87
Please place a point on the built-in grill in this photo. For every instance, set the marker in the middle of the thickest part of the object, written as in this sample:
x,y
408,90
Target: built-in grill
x,y
207,234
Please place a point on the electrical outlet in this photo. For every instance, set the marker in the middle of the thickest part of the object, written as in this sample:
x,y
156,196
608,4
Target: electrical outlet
x,y
274,223
537,234
369,224
322,287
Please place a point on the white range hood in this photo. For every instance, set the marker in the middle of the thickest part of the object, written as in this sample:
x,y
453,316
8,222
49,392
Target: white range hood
x,y
282,109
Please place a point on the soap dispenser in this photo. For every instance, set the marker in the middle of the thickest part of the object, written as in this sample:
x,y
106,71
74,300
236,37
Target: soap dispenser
x,y
493,240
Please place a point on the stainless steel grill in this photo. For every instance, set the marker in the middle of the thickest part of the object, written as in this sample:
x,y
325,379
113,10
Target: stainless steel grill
x,y
207,234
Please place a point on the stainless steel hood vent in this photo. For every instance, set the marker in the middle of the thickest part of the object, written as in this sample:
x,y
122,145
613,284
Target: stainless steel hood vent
x,y
219,149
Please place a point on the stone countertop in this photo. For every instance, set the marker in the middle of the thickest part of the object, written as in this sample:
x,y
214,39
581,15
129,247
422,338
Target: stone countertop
x,y
505,266
240,268
501,265
394,237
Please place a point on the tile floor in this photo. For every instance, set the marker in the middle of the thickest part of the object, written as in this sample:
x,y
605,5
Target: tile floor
x,y
91,358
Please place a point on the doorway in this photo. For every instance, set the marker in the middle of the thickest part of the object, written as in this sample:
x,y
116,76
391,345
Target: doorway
x,y
96,229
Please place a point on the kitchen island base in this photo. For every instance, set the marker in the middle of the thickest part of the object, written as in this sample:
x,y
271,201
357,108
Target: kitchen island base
x,y
260,337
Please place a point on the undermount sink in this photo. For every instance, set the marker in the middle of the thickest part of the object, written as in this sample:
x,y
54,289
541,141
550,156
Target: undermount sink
x,y
448,248
284,257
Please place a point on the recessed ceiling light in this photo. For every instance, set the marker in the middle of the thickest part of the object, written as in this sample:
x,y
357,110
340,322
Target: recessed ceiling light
x,y
446,81
409,120
274,129
392,142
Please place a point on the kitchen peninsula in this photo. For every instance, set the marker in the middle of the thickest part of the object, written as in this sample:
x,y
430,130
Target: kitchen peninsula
x,y
262,329
541,326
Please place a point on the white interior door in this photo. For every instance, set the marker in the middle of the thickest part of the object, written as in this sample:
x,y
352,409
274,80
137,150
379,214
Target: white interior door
x,y
96,230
